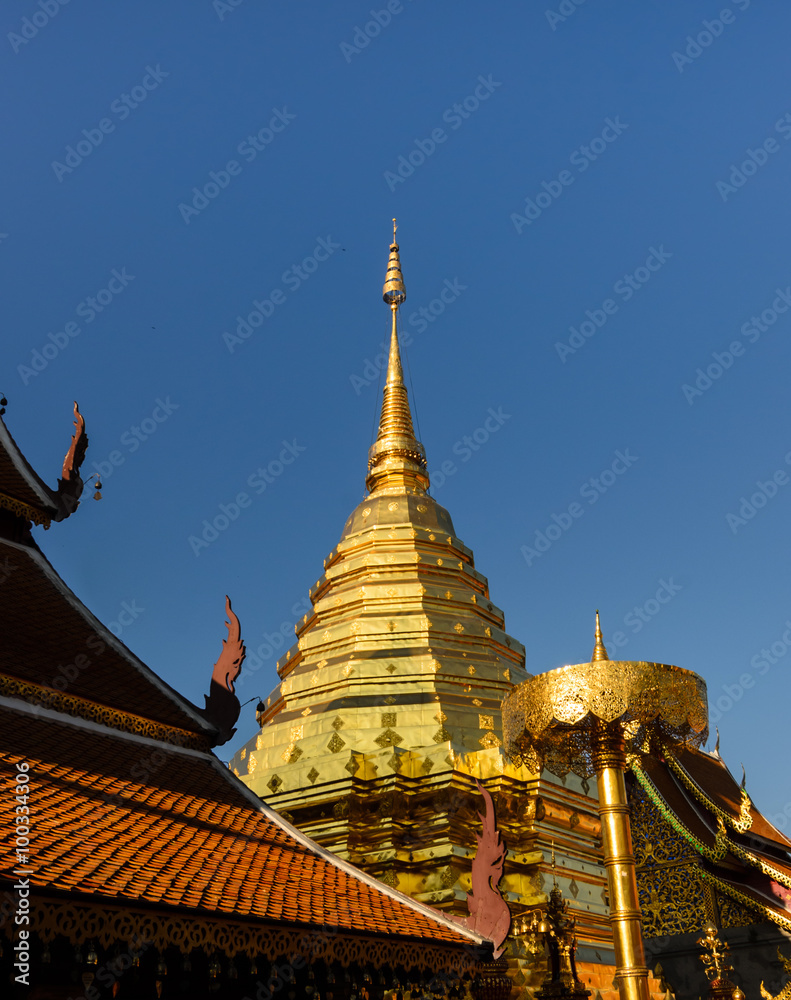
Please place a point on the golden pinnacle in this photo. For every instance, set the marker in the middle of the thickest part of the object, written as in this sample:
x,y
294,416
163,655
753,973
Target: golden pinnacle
x,y
599,652
396,459
394,291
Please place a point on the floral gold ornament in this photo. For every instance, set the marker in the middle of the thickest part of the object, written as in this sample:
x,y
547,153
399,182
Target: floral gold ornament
x,y
717,967
715,954
785,993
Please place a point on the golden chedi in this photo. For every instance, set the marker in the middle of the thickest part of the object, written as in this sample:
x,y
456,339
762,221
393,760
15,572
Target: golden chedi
x,y
388,707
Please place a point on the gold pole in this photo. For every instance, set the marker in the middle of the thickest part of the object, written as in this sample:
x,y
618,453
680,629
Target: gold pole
x,y
609,759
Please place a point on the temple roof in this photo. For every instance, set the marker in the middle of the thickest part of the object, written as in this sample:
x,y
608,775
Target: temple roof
x,y
708,778
53,642
743,854
24,493
18,477
121,816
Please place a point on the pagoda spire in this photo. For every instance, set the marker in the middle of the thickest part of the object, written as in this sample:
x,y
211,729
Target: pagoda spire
x,y
599,652
396,460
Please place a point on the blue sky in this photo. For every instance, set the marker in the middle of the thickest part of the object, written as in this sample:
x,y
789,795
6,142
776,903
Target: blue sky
x,y
619,166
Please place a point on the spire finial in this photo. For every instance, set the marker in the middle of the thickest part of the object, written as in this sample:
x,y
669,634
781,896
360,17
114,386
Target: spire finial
x,y
396,460
599,652
394,292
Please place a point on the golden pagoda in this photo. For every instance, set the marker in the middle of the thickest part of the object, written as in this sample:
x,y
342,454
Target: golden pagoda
x,y
388,707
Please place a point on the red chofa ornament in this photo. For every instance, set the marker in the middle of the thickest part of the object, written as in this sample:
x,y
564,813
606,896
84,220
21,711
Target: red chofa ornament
x,y
489,913
222,705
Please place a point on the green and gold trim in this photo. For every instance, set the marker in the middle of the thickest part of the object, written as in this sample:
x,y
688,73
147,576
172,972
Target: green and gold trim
x,y
752,859
721,843
745,820
749,901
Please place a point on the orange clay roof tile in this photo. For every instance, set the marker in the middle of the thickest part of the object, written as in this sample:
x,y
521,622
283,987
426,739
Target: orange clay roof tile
x,y
190,838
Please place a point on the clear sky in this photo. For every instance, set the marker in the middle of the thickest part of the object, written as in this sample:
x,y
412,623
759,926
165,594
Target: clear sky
x,y
619,169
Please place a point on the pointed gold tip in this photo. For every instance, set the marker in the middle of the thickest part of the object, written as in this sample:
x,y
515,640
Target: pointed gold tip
x,y
396,460
394,291
599,652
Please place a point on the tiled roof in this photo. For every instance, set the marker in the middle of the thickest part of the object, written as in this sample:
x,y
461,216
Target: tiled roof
x,y
125,818
743,854
753,888
19,480
712,781
105,672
